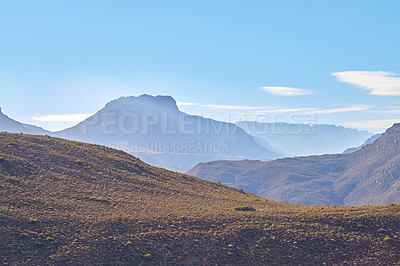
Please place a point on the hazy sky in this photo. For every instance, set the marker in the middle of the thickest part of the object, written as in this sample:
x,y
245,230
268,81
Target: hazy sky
x,y
327,61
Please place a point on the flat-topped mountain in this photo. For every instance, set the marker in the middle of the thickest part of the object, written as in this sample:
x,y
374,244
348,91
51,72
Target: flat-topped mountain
x,y
153,129
367,176
66,202
10,125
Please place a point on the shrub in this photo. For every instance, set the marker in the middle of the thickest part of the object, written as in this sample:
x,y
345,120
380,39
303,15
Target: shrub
x,y
1,159
38,244
242,208
99,199
23,234
361,226
12,143
147,256
49,239
78,162
32,220
256,199
387,239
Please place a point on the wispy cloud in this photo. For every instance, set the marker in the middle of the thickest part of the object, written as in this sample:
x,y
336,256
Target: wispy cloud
x,y
286,110
224,107
354,108
62,118
186,104
279,110
286,91
378,82
379,124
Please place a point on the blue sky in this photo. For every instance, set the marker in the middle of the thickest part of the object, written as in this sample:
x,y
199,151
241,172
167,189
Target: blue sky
x,y
322,61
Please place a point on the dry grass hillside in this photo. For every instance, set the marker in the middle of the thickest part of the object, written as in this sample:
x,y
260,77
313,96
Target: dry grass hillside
x,y
65,202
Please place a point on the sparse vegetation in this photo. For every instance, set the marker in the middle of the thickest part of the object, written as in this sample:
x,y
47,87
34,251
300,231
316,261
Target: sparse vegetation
x,y
175,218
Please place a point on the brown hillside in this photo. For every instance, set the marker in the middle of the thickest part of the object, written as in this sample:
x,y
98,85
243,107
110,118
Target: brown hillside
x,y
64,202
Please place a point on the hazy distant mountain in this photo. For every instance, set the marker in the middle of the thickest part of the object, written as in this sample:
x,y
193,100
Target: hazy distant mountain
x,y
303,139
367,176
368,141
9,125
153,129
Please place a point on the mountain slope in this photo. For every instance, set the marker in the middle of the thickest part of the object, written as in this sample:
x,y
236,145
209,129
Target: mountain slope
x,y
304,139
9,125
367,176
368,141
64,202
153,129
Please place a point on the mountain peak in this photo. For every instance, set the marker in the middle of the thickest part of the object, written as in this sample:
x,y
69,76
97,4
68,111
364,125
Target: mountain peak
x,y
395,129
158,102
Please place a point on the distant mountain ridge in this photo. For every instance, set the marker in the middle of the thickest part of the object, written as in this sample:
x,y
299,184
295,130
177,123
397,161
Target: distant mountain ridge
x,y
306,139
153,128
370,175
10,125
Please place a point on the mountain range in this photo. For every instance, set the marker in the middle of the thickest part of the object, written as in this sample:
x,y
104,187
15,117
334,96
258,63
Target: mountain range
x,y
10,125
153,128
367,176
306,139
72,203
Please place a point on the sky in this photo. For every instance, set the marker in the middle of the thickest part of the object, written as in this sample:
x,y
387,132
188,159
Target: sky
x,y
335,62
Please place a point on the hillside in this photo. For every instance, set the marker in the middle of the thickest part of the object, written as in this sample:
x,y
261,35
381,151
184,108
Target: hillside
x,y
10,125
66,202
153,128
367,176
305,139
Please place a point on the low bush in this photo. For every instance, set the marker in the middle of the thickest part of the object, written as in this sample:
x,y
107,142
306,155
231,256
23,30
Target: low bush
x,y
387,239
38,244
242,208
361,226
49,239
